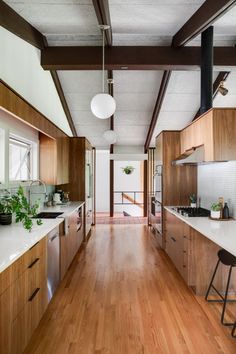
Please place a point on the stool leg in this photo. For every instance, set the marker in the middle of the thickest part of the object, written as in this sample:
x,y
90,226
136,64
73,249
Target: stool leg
x,y
212,279
225,299
233,330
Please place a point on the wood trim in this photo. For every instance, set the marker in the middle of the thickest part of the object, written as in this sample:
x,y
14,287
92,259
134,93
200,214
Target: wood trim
x,y
94,186
157,108
61,95
13,22
12,102
222,76
132,58
207,14
111,188
103,15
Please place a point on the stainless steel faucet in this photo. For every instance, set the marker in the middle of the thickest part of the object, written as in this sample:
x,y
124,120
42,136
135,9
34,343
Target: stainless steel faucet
x,y
40,182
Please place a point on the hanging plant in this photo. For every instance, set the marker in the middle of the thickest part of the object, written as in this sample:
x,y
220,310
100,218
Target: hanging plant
x,y
128,170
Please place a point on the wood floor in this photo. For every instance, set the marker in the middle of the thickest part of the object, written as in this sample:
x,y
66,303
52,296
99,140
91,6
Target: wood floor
x,y
123,296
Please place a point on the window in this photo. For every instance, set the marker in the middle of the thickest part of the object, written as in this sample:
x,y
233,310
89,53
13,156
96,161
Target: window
x,y
2,156
20,159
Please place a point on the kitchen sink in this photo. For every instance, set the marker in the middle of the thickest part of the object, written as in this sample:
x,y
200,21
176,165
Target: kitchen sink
x,y
47,215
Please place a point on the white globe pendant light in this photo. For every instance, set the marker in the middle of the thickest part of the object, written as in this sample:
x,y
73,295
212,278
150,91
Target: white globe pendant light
x,y
110,136
103,105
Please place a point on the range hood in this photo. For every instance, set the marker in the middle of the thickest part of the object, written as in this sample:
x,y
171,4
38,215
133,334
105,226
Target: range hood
x,y
192,156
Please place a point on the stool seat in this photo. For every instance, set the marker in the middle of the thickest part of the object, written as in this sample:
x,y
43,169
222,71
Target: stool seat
x,y
227,258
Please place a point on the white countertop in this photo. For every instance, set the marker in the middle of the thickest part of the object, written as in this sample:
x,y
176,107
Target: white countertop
x,y
66,209
15,240
223,233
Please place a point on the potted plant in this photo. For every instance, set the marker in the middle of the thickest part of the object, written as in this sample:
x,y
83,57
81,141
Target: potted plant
x,y
23,210
128,170
6,210
193,201
215,210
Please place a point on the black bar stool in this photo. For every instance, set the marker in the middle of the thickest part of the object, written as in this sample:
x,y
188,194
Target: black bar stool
x,y
229,260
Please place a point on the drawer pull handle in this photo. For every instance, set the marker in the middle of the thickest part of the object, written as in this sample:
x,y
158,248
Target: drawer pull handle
x,y
34,245
173,239
33,263
34,294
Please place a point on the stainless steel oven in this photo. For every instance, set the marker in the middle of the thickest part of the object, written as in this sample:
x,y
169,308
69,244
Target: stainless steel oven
x,y
156,215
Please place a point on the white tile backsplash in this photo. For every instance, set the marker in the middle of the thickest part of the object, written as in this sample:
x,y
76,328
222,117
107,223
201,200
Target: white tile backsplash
x,y
217,180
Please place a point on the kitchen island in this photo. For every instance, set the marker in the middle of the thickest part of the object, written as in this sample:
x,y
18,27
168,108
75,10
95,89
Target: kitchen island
x,y
192,244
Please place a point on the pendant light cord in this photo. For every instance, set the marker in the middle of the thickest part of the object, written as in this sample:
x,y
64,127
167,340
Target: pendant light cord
x,y
103,60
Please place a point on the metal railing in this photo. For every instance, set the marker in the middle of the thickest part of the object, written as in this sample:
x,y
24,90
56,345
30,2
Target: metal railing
x,y
133,197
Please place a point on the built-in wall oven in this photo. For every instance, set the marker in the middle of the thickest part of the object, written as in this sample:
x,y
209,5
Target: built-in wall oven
x,y
157,208
158,183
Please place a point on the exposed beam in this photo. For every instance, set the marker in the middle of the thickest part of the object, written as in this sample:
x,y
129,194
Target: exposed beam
x,y
13,22
110,87
103,15
132,58
63,101
207,14
157,108
222,76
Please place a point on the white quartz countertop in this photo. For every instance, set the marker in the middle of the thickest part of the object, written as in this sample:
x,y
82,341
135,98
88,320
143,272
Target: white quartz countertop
x,y
223,233
15,240
66,209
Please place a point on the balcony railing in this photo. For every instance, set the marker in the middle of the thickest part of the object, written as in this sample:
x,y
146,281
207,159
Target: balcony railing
x,y
129,198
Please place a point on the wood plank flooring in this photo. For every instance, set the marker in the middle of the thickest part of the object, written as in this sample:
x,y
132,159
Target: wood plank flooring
x,y
123,296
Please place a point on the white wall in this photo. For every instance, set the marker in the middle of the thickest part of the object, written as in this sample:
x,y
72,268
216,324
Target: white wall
x,y
218,180
102,181
20,68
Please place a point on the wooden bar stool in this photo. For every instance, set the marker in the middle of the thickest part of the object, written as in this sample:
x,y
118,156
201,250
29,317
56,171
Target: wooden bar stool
x,y
227,259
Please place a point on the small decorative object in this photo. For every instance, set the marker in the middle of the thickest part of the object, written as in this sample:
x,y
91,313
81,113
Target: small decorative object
x,y
23,211
6,210
226,211
193,201
215,211
128,170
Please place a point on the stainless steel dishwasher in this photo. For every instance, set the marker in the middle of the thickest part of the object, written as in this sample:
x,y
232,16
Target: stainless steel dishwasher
x,y
53,267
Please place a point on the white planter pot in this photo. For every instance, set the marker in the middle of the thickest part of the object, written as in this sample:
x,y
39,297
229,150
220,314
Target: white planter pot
x,y
215,214
193,205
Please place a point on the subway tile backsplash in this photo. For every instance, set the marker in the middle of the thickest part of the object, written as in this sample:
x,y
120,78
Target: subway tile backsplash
x,y
218,180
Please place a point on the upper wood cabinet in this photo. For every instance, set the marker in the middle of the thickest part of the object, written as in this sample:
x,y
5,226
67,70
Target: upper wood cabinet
x,y
54,160
216,130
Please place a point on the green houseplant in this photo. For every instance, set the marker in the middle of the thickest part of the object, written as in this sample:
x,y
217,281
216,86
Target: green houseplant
x,y
193,200
128,170
215,210
17,204
6,210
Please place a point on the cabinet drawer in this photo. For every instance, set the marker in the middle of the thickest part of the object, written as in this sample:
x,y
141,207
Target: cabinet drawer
x,y
27,320
25,285
15,270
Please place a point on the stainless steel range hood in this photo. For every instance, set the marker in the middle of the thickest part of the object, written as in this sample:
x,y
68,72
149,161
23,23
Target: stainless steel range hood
x,y
192,156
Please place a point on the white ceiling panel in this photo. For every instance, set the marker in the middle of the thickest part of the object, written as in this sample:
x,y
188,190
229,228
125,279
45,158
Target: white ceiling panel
x,y
132,118
61,21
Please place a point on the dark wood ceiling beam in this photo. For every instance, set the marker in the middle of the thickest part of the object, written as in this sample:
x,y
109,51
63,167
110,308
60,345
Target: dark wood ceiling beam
x,y
222,76
132,58
207,14
157,108
13,22
103,15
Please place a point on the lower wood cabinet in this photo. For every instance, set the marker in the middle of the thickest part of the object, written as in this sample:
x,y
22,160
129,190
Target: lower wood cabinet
x,y
24,300
71,240
194,256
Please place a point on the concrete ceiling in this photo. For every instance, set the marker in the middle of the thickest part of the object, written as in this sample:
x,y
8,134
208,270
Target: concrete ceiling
x,y
134,22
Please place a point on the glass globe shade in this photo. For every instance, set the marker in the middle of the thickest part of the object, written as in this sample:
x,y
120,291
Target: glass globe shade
x,y
110,136
103,105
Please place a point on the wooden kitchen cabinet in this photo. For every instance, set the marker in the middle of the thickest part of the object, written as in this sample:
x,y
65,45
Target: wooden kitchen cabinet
x,y
216,130
194,256
23,298
71,240
54,160
81,177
